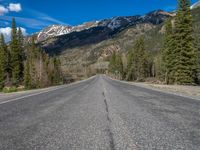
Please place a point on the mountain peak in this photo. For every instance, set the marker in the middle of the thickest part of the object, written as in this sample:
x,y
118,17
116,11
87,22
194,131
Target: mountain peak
x,y
159,12
113,24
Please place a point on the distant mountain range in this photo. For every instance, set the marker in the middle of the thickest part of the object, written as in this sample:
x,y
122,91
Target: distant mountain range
x,y
57,38
93,42
113,24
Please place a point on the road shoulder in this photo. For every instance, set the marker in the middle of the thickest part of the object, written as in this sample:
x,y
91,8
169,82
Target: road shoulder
x,y
192,92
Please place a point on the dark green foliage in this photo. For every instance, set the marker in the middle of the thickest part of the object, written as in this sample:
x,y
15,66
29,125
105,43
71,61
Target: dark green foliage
x,y
27,75
40,70
138,62
2,61
116,64
21,50
5,62
196,73
56,78
184,60
16,56
168,57
112,65
26,64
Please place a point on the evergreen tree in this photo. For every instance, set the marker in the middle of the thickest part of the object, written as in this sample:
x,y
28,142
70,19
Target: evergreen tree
x,y
138,61
168,58
119,65
21,50
116,65
112,64
184,60
27,76
5,62
2,61
56,71
130,66
196,73
15,56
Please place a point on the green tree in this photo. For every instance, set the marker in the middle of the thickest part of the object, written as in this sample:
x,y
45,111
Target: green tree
x,y
112,64
56,71
116,65
119,65
184,61
196,73
16,61
2,61
27,75
168,57
138,61
21,50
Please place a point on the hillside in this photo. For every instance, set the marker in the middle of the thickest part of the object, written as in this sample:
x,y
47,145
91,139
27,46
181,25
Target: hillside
x,y
83,48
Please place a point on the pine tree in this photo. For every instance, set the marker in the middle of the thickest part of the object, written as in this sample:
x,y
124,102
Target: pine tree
x,y
196,73
56,71
183,51
15,56
130,66
21,50
2,61
119,65
138,61
112,64
27,76
143,61
168,59
6,61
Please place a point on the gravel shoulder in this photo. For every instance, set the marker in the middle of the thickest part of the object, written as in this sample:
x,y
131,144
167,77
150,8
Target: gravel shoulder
x,y
180,90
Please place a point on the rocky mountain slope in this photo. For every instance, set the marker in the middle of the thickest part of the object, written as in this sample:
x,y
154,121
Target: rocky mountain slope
x,y
57,30
92,44
113,24
54,42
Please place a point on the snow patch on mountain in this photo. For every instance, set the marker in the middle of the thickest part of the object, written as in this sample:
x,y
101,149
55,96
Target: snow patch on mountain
x,y
58,30
114,23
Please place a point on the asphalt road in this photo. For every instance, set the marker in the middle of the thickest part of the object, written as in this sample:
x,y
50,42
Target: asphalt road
x,y
99,114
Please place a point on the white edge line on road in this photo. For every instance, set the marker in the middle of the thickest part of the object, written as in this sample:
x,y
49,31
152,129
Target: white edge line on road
x,y
30,95
11,100
154,89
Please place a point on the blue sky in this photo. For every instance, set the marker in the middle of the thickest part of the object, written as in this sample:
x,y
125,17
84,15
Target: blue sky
x,y
33,15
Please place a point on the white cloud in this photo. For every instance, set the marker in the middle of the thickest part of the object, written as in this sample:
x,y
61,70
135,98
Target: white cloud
x,y
11,7
3,10
15,7
7,32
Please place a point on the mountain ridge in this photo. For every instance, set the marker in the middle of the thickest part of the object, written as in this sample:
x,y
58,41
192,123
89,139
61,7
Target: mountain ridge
x,y
112,23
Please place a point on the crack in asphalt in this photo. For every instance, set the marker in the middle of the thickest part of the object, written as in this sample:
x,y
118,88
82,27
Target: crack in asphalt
x,y
112,145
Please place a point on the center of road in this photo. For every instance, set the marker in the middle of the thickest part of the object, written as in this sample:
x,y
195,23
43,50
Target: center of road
x,y
119,133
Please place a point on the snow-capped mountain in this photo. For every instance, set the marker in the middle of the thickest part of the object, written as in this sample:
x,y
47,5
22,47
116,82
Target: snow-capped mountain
x,y
197,4
52,31
58,30
115,23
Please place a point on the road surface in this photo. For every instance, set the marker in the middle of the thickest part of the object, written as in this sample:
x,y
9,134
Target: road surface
x,y
99,114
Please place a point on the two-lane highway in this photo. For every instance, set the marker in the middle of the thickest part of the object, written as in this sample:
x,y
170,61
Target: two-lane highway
x,y
99,113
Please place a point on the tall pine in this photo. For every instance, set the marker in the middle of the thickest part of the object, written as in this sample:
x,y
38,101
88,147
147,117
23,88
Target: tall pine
x,y
112,64
196,72
27,76
2,61
184,60
21,50
168,58
16,61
